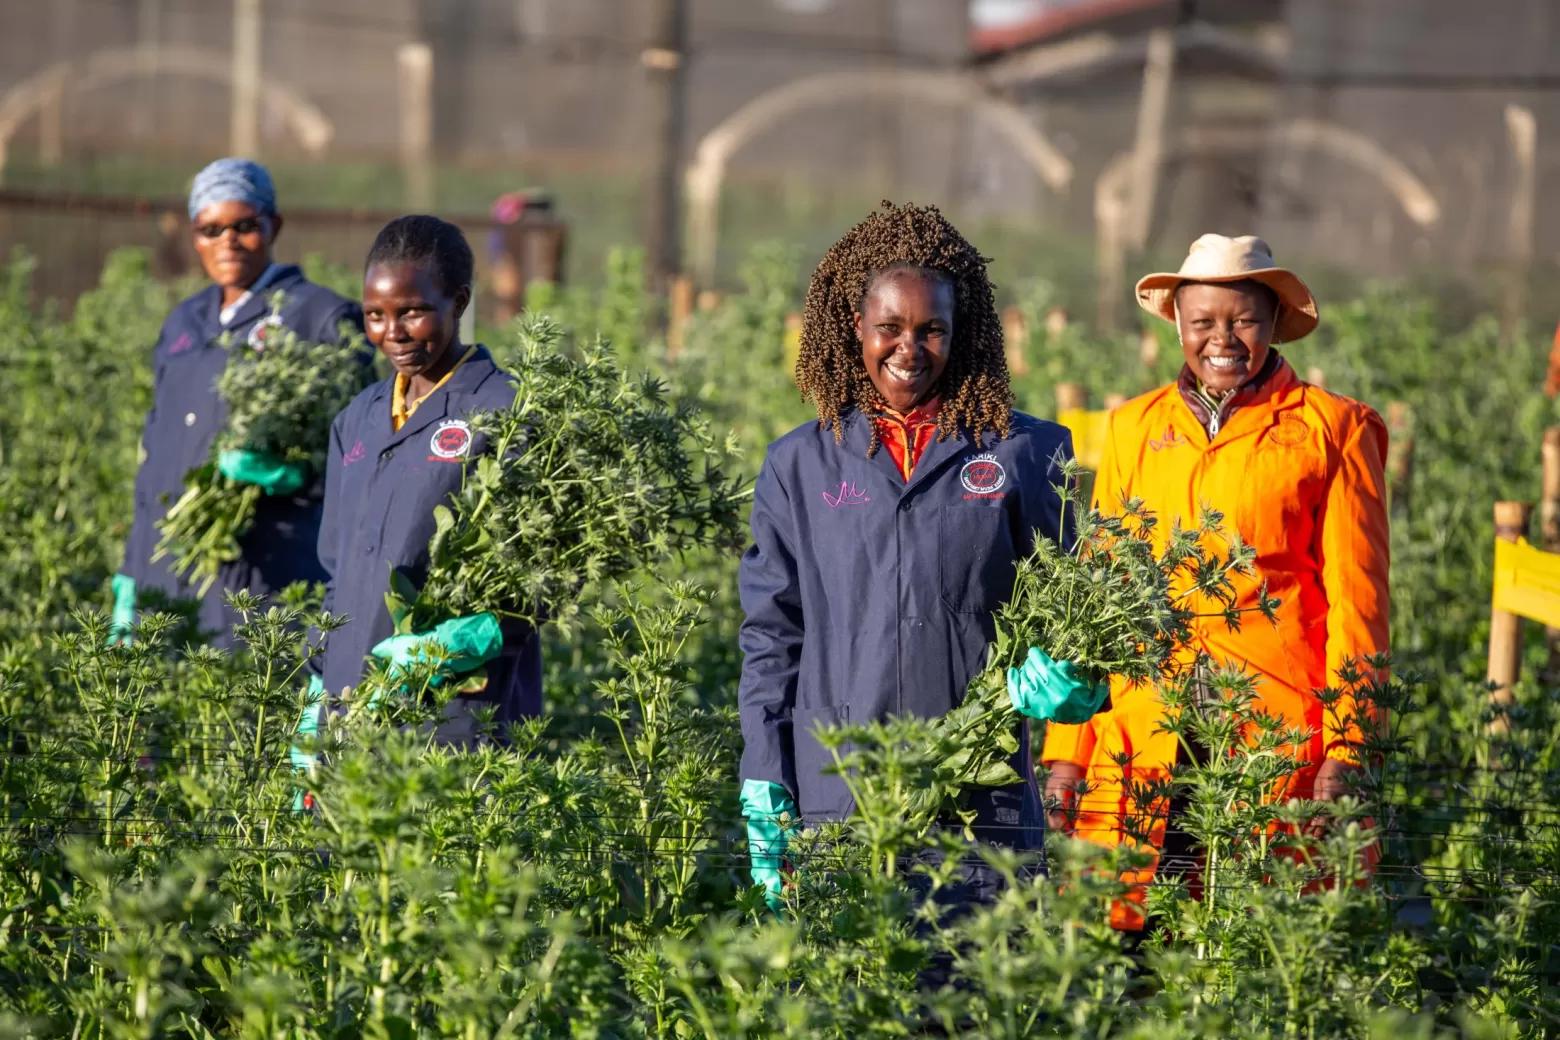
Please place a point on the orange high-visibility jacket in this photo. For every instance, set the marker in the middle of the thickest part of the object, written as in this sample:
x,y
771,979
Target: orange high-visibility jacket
x,y
1298,472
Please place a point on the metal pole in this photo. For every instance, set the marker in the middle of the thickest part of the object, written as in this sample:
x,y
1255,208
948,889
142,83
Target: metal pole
x,y
245,126
665,62
415,61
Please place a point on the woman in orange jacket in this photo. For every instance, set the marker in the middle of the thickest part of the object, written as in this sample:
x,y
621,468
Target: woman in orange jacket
x,y
1298,472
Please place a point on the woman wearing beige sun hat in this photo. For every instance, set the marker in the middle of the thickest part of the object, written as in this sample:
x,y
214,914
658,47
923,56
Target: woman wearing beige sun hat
x,y
1298,472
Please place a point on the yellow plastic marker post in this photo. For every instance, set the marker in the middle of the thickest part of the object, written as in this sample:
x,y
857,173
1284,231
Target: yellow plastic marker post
x,y
1527,581
1088,434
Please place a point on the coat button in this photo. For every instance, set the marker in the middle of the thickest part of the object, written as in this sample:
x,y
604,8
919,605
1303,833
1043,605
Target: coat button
x,y
189,419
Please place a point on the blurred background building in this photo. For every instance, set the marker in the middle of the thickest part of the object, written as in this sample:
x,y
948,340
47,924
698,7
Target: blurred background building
x,y
1076,139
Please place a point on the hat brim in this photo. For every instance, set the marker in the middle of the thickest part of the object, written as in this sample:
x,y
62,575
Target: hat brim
x,y
1297,317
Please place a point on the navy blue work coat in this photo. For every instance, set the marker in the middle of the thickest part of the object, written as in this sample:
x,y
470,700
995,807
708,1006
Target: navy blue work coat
x,y
866,596
185,419
380,490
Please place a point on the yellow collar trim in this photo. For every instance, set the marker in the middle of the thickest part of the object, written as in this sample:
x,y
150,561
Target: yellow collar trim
x,y
400,409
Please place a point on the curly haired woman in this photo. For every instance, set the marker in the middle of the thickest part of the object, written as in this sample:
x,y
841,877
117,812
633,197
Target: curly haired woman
x,y
886,534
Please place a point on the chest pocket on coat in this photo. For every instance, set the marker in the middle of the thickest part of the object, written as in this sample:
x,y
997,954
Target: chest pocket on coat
x,y
1281,496
976,565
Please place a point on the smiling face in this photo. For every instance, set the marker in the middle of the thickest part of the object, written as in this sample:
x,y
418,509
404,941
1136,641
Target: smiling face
x,y
410,318
905,326
1226,331
233,241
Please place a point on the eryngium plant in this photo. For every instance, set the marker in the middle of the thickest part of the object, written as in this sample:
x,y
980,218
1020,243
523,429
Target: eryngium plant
x,y
281,395
1110,603
592,474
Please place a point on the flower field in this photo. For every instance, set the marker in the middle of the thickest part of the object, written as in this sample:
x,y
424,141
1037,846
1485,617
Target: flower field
x,y
590,880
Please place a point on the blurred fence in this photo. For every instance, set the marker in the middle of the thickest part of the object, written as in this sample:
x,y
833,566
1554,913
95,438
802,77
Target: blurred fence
x,y
70,235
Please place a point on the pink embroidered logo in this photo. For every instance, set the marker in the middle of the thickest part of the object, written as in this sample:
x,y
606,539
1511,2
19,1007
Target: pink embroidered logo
x,y
183,343
850,495
1171,439
353,454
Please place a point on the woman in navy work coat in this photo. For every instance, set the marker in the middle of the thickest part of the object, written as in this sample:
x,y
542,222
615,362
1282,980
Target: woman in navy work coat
x,y
400,449
233,210
886,534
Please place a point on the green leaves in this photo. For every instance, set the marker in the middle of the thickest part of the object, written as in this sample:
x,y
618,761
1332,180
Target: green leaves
x,y
592,475
281,396
1111,603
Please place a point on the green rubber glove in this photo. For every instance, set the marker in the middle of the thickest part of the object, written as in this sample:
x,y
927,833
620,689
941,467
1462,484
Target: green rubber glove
x,y
764,803
1053,691
467,643
124,610
308,726
270,474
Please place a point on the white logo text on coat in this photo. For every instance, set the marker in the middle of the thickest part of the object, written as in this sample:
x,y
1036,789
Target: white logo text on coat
x,y
983,476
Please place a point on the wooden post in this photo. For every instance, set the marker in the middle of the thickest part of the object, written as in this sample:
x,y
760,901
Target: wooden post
x,y
1148,348
1055,321
1316,377
415,61
1505,663
1070,396
1522,130
793,341
679,307
1114,401
244,128
1148,147
1400,455
1015,340
1549,532
665,94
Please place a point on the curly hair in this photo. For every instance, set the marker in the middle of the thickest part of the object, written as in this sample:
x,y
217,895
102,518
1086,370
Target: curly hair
x,y
976,393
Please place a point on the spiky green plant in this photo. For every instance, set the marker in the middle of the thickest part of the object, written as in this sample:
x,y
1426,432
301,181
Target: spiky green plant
x,y
281,395
591,475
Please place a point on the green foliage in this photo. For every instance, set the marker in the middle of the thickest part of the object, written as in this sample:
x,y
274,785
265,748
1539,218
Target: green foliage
x,y
280,396
590,879
590,476
1109,603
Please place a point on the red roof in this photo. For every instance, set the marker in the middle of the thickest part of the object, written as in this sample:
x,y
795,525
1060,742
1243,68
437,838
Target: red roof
x,y
1057,22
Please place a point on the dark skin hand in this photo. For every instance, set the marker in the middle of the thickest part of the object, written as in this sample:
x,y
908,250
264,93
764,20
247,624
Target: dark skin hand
x,y
905,328
1226,332
1061,787
414,323
233,241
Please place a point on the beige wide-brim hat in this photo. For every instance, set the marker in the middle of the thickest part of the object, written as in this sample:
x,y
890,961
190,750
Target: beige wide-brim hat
x,y
1215,258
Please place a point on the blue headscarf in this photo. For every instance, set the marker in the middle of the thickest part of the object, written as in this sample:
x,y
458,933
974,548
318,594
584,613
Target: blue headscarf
x,y
233,180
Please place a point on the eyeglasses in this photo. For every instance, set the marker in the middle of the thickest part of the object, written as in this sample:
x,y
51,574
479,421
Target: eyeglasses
x,y
247,226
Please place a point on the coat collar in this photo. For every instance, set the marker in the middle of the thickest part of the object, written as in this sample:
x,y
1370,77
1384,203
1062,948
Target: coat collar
x,y
284,277
206,305
1251,409
440,404
857,437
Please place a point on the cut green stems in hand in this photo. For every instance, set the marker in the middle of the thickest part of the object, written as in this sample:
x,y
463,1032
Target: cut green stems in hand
x,y
1053,691
770,811
267,472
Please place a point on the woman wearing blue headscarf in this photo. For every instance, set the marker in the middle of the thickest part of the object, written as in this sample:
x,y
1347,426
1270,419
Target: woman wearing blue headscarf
x,y
234,222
